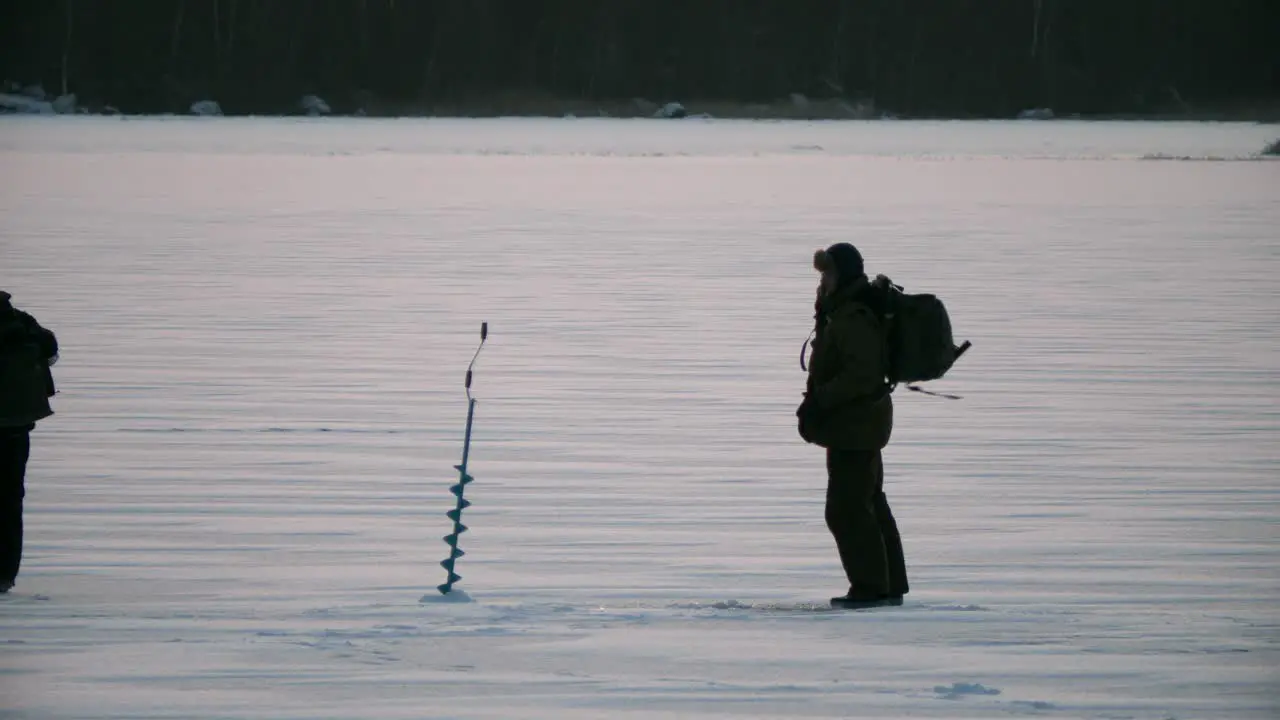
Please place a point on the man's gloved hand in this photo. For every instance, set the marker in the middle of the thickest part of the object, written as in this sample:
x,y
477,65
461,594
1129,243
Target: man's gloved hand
x,y
808,416
809,407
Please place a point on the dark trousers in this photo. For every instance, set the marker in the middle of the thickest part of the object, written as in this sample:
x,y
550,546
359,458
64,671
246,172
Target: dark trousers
x,y
15,448
859,518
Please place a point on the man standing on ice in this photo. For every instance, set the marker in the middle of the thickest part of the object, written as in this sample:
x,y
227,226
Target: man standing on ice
x,y
848,410
27,351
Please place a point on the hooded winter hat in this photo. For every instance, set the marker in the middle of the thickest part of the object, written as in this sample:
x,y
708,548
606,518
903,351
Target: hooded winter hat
x,y
841,257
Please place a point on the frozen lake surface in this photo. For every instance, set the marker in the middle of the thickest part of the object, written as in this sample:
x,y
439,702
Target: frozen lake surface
x,y
265,325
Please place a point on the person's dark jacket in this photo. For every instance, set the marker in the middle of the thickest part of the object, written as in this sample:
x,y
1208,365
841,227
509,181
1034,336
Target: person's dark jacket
x,y
847,403
27,351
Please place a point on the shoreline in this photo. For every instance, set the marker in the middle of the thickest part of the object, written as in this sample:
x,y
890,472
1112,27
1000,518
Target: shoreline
x,y
1127,119
797,108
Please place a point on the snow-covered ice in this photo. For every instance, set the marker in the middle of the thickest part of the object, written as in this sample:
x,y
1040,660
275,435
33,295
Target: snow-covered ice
x,y
237,511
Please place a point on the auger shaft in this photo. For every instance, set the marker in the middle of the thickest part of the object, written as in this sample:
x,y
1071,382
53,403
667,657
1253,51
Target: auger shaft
x,y
463,479
456,513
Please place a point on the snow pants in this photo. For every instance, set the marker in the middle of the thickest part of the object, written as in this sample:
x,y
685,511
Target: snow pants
x,y
858,516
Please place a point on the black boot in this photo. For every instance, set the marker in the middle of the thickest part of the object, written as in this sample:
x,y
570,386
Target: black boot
x,y
855,600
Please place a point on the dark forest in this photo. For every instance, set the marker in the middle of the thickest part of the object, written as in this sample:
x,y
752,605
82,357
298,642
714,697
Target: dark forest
x,y
914,58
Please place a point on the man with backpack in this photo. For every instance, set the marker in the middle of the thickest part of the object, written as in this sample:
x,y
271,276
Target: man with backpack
x,y
848,409
27,351
869,336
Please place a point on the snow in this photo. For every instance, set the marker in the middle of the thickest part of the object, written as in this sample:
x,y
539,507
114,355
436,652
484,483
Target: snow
x,y
672,110
314,105
453,596
206,108
65,104
237,511
620,138
12,103
1036,114
960,688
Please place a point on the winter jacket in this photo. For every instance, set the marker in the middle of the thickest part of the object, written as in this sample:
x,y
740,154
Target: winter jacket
x,y
26,383
847,402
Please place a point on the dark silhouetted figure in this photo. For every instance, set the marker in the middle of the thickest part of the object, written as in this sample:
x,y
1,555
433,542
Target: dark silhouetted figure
x,y
848,409
27,351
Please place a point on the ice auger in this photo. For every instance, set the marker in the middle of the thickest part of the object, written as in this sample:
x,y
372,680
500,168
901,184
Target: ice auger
x,y
463,478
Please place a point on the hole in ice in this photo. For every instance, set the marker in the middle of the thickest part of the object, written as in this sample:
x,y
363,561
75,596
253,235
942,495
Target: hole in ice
x,y
453,596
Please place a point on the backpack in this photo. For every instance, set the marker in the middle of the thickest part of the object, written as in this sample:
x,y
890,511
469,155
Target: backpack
x,y
920,344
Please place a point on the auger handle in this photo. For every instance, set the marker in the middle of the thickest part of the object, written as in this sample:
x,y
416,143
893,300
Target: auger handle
x,y
484,334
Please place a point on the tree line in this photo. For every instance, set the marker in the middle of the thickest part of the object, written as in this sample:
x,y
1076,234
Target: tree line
x,y
956,58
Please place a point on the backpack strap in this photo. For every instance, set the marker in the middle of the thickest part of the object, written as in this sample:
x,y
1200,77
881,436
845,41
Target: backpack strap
x,y
804,349
922,391
883,313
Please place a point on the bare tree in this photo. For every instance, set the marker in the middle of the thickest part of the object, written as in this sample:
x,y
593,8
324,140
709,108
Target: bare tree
x,y
66,47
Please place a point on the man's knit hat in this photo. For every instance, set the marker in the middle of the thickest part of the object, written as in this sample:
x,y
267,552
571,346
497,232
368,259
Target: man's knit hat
x,y
843,258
